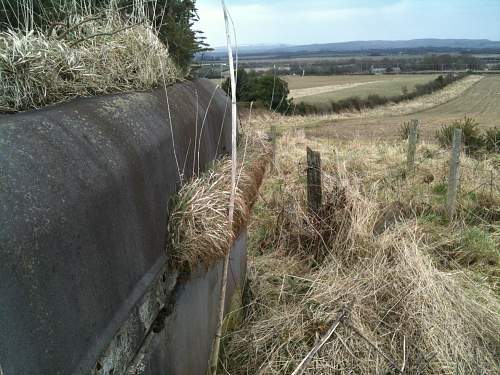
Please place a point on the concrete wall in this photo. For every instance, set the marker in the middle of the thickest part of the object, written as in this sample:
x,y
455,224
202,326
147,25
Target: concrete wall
x,y
84,188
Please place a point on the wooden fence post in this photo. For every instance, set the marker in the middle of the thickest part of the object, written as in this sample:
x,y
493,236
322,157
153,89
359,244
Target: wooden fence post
x,y
454,175
273,140
412,146
314,192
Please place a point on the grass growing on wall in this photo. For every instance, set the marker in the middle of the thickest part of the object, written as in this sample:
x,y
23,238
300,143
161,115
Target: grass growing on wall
x,y
199,230
90,53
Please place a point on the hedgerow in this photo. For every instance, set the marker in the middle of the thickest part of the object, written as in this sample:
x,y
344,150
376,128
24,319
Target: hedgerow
x,y
356,103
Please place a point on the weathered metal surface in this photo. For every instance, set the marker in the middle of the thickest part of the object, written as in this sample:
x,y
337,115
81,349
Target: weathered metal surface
x,y
140,321
84,188
183,345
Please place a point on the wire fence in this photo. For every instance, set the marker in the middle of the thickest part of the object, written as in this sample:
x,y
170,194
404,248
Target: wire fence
x,y
431,164
377,132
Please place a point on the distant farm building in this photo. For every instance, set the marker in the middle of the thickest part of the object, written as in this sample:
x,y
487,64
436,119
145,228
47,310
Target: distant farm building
x,y
386,70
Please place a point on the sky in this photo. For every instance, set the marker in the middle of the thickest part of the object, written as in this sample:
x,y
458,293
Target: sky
x,y
327,21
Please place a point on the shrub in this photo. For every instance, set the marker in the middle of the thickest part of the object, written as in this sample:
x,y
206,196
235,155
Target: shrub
x,y
375,100
267,89
305,109
444,135
336,107
492,140
471,137
272,91
353,103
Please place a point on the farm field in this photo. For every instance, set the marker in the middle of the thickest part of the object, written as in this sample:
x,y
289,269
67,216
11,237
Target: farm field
x,y
323,89
481,102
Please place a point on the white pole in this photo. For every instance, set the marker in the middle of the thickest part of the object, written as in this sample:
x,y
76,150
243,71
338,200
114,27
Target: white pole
x,y
222,298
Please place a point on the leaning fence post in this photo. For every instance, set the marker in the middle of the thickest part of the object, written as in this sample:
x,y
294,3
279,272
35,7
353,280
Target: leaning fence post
x,y
314,193
412,146
273,140
454,175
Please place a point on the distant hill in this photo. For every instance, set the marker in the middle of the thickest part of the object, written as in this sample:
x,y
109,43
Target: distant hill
x,y
415,45
397,44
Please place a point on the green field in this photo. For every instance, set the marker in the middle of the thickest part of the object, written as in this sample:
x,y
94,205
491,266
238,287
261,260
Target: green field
x,y
323,89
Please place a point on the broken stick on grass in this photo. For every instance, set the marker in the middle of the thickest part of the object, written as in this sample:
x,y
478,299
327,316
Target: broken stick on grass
x,y
385,356
308,358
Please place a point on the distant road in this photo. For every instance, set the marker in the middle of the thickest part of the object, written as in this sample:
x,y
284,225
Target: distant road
x,y
300,93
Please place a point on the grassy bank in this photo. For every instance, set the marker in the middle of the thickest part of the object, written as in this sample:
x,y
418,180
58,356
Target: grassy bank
x,y
422,292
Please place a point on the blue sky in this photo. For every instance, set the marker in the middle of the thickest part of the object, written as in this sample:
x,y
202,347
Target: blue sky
x,y
323,21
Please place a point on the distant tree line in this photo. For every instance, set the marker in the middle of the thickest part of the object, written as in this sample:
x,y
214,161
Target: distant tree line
x,y
404,65
362,65
173,20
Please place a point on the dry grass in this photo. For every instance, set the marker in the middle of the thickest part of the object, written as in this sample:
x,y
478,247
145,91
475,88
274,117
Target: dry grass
x,y
425,320
98,56
199,229
410,314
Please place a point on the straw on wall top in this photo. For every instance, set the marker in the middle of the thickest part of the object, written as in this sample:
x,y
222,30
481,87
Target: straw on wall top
x,y
199,227
95,54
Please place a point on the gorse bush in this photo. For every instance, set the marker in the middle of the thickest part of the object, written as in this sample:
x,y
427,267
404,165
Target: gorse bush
x,y
492,140
471,135
473,140
404,130
375,100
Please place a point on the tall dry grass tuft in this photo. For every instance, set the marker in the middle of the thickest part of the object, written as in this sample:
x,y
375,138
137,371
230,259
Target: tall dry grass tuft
x,y
341,222
199,228
89,54
409,314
